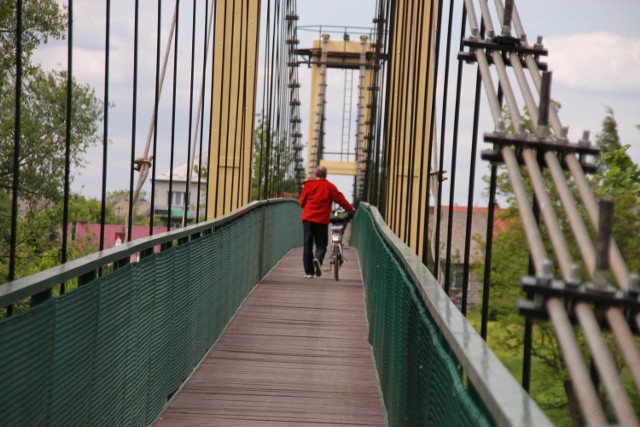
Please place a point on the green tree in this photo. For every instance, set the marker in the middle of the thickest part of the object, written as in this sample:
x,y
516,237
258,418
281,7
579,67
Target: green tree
x,y
43,105
82,209
273,162
618,180
41,20
118,196
43,137
43,127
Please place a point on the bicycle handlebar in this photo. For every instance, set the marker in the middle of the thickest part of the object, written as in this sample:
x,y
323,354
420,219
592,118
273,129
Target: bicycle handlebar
x,y
340,220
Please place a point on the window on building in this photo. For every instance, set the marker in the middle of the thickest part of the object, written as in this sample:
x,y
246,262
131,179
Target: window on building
x,y
177,198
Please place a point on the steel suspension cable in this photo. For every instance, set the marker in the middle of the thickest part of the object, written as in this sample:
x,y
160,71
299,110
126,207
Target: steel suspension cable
x,y
271,37
275,182
105,124
156,97
238,117
211,103
227,124
264,100
208,25
405,95
470,190
220,121
389,148
17,136
173,116
454,151
134,111
244,120
276,101
412,101
375,153
399,149
386,149
435,242
433,138
438,198
67,147
145,163
190,152
423,235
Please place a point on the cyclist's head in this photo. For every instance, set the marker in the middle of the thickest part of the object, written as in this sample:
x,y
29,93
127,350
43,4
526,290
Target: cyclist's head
x,y
321,172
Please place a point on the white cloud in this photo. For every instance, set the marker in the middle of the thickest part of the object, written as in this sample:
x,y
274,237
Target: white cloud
x,y
595,61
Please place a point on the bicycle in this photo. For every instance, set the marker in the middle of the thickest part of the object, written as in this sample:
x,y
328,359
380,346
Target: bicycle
x,y
338,226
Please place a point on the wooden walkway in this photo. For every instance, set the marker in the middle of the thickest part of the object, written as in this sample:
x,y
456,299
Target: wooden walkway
x,y
295,354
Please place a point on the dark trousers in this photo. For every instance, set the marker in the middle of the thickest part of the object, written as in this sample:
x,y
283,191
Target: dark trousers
x,y
318,234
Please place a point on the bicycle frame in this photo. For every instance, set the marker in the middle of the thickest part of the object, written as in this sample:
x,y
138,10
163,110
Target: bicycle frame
x,y
337,258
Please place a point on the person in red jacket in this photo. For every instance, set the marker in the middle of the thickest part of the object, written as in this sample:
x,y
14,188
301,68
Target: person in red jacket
x,y
316,200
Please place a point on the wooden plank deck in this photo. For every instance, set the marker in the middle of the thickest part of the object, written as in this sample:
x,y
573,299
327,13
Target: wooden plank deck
x,y
295,354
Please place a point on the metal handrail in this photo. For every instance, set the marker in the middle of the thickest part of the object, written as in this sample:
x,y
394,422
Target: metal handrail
x,y
16,290
505,400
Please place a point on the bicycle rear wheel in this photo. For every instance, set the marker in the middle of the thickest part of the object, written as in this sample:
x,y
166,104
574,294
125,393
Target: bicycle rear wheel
x,y
336,262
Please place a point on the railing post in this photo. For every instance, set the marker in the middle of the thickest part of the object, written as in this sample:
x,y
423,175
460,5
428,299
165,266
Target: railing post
x,y
41,297
488,249
545,104
87,277
605,221
507,18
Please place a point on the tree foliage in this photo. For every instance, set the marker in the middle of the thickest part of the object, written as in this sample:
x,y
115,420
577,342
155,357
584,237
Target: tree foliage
x,y
43,127
618,180
273,162
41,20
43,103
43,138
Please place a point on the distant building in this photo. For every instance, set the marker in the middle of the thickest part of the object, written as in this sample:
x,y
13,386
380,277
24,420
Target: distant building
x,y
88,234
172,205
479,217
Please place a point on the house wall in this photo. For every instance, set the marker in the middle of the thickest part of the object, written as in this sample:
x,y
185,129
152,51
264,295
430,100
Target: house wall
x,y
162,195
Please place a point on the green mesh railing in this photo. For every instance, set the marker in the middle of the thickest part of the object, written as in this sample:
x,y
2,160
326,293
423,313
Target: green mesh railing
x,y
434,369
113,351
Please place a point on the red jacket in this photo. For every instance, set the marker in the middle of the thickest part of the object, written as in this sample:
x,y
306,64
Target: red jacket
x,y
316,198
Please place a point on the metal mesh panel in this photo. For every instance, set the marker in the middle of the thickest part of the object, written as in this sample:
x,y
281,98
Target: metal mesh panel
x,y
24,372
419,376
114,351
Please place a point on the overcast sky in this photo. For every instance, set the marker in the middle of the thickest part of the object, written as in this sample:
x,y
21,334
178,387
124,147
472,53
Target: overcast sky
x,y
594,55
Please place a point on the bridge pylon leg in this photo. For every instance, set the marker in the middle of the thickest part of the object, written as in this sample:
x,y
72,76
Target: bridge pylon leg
x,y
235,67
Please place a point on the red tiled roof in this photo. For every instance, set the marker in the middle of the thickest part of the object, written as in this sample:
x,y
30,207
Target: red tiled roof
x,y
113,231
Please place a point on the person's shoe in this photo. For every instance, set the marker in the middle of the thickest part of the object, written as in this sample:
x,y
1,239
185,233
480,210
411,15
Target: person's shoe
x,y
308,276
318,267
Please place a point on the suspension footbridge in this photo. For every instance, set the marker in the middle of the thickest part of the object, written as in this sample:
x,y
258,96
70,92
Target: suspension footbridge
x,y
208,320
